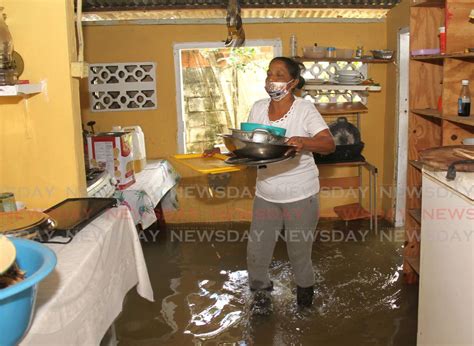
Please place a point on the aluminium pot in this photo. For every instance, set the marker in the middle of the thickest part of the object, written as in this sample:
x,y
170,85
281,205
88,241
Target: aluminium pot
x,y
258,136
260,151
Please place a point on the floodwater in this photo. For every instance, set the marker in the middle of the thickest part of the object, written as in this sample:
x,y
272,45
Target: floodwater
x,y
202,298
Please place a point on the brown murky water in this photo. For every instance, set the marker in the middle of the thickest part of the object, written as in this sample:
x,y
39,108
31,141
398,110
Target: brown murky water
x,y
202,298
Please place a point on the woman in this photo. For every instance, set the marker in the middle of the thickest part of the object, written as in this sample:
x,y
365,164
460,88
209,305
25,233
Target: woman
x,y
287,192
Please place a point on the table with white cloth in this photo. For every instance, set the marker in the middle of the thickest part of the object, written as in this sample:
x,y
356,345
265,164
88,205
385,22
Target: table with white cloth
x,y
81,298
153,185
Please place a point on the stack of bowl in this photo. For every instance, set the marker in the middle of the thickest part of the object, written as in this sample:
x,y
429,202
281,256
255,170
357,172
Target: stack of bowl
x,y
258,142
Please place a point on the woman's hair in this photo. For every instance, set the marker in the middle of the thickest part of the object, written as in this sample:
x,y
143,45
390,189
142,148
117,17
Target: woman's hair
x,y
294,69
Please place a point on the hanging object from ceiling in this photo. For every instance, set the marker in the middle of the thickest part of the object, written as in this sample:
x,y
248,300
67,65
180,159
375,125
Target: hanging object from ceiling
x,y
235,30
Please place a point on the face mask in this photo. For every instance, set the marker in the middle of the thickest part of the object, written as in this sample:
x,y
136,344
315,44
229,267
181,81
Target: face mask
x,y
277,90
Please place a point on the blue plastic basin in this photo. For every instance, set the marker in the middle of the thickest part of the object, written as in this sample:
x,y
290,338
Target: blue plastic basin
x,y
278,131
17,302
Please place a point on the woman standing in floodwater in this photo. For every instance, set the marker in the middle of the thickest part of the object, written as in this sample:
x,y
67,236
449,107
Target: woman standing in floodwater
x,y
287,193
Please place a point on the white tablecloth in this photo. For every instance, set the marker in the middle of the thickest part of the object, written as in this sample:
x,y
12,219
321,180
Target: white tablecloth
x,y
81,298
152,184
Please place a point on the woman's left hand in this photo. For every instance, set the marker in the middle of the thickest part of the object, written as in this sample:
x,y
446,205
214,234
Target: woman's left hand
x,y
298,142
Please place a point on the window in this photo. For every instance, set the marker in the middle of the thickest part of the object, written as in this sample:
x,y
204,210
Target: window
x,y
216,87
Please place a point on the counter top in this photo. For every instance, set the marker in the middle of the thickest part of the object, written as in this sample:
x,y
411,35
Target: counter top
x,y
462,184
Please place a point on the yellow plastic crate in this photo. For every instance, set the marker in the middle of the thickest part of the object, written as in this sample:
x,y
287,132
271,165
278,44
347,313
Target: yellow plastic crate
x,y
207,165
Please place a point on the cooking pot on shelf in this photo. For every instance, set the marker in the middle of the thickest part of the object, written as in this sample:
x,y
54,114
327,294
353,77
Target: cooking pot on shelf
x,y
258,136
261,151
343,132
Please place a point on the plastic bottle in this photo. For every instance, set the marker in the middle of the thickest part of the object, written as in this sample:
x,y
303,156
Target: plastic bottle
x,y
293,46
464,101
331,52
442,39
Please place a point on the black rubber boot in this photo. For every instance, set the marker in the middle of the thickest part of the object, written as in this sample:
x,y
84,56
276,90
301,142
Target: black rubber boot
x,y
262,303
304,296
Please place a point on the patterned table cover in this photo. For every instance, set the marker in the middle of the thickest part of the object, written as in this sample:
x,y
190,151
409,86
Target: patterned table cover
x,y
153,184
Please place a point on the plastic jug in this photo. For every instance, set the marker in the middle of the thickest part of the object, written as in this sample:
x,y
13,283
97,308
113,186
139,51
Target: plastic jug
x,y
139,150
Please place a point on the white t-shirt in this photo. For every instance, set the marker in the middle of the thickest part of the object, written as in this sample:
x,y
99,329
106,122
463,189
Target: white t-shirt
x,y
295,179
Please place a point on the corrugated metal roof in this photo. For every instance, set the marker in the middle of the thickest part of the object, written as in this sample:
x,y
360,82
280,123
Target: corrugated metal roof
x,y
121,5
249,15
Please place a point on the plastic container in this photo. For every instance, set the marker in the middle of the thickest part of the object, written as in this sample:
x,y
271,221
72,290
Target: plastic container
x,y
344,53
278,131
314,52
17,302
139,150
330,52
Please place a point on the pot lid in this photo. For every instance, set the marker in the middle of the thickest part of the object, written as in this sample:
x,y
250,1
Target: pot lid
x,y
20,220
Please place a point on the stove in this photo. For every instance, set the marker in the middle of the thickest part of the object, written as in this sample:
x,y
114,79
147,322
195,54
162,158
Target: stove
x,y
100,183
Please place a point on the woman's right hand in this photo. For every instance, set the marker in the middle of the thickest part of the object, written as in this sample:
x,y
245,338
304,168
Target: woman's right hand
x,y
210,152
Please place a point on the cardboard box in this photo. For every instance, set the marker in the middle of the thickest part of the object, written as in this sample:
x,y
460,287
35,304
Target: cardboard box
x,y
113,151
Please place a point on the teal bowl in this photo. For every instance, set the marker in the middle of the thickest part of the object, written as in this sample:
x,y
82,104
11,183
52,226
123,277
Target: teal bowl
x,y
277,131
17,302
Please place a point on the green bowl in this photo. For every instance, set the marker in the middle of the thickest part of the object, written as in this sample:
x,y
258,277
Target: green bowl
x,y
277,131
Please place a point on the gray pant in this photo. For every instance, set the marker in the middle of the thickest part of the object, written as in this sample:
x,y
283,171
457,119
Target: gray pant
x,y
299,220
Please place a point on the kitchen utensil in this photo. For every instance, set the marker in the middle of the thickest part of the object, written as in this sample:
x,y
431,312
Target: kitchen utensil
x,y
344,132
261,151
73,214
17,302
7,254
278,131
440,158
385,54
252,162
258,136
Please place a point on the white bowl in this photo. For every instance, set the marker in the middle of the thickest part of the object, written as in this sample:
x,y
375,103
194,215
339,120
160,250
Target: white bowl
x,y
468,141
348,73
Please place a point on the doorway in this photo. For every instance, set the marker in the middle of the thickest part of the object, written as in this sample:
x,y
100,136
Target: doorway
x,y
402,125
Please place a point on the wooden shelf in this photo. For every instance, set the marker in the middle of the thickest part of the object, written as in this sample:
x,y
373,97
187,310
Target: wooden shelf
x,y
463,56
360,87
417,164
428,3
20,89
414,262
415,214
341,108
434,113
367,61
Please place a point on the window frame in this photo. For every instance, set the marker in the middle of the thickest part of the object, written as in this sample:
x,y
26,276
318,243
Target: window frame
x,y
177,47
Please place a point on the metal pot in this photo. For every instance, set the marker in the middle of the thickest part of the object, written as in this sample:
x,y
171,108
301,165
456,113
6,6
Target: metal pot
x,y
261,151
258,136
